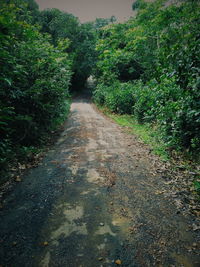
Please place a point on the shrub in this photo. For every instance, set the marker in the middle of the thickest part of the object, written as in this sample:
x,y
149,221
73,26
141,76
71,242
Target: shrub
x,y
34,82
117,97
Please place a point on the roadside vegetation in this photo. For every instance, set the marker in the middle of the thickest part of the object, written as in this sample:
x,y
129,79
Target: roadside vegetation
x,y
42,59
145,132
147,77
46,56
148,68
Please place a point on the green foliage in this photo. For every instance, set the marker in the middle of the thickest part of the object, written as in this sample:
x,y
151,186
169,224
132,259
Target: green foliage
x,y
34,82
84,55
158,52
115,62
197,187
101,22
62,25
43,55
117,97
144,132
139,4
59,25
147,67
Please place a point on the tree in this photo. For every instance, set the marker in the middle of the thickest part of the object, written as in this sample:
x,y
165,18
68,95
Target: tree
x,y
61,25
102,22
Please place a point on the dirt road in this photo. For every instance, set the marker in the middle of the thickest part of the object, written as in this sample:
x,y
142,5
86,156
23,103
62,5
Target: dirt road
x,y
94,201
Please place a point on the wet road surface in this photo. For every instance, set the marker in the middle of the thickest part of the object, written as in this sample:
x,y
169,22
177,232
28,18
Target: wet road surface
x,y
94,201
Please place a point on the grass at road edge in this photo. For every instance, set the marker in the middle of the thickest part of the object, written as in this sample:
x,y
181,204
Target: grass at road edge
x,y
150,136
145,132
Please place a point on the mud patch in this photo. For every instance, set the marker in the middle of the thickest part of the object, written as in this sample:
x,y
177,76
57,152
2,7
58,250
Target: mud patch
x,y
105,230
93,176
68,226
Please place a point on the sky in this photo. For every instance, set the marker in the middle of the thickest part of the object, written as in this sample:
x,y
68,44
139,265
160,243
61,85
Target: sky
x,y
89,10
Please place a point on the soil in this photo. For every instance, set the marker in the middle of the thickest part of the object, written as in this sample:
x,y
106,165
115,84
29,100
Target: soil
x,y
96,199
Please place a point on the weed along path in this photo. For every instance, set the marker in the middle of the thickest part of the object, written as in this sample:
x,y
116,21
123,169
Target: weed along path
x,y
95,200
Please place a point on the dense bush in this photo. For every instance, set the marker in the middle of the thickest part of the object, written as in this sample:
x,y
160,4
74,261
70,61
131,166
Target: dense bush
x,y
114,97
163,104
158,53
34,82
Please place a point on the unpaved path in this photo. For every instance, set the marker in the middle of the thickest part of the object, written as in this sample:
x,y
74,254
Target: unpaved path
x,y
94,200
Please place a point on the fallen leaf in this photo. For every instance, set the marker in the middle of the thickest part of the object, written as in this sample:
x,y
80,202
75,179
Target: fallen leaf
x,y
45,243
194,245
22,166
195,227
18,179
100,259
118,262
197,213
159,192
